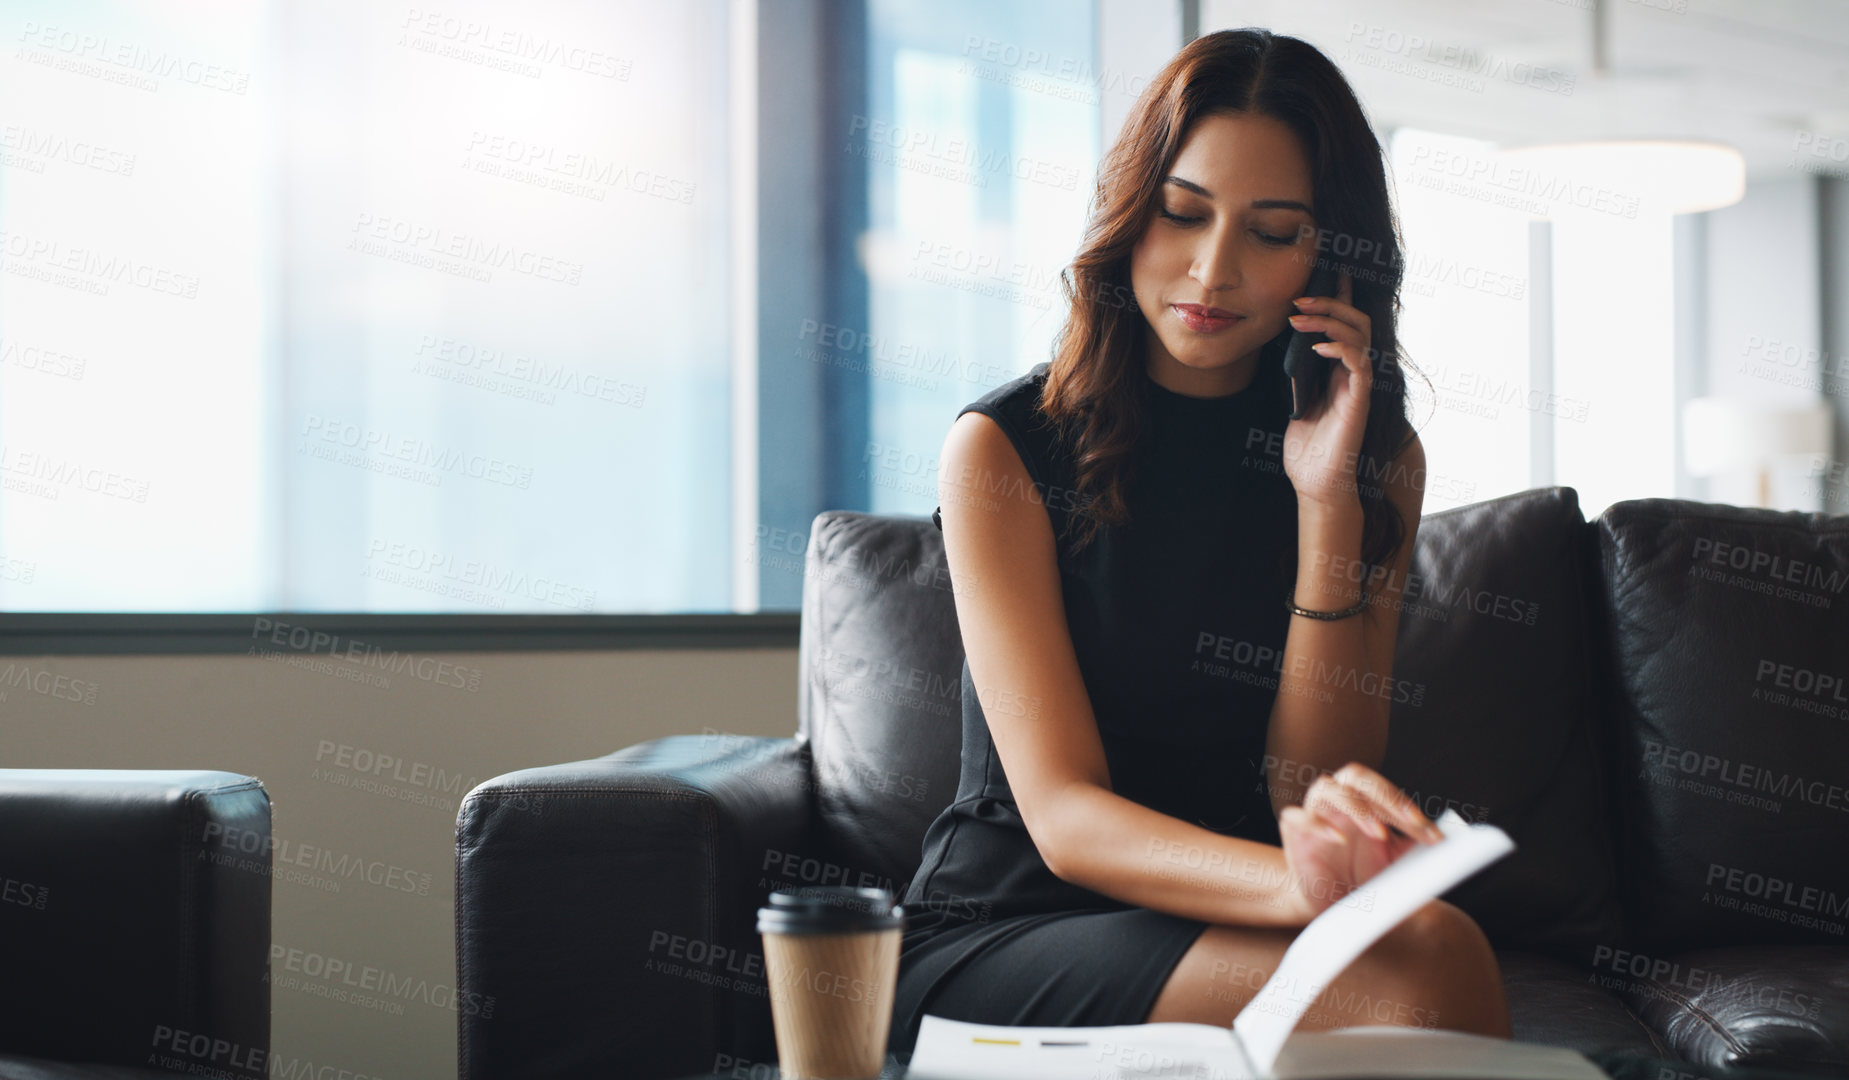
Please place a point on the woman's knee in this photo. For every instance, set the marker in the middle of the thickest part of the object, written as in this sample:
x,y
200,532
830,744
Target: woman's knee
x,y
1219,974
1434,969
1440,961
1435,931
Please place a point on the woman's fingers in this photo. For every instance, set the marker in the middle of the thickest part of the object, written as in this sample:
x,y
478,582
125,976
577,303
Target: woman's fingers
x,y
1343,808
1358,821
1312,827
1389,804
1332,792
1353,823
1366,841
1336,316
1362,805
1317,857
1332,325
1374,856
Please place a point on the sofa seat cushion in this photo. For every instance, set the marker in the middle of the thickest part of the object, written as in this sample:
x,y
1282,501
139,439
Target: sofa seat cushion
x,y
1767,1006
1555,1003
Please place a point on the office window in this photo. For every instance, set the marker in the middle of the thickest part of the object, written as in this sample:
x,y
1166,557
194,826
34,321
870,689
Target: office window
x,y
339,306
336,307
1464,321
981,140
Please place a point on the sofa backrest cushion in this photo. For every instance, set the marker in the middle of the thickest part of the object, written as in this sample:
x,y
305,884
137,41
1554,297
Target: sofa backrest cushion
x,y
1493,697
1730,650
880,698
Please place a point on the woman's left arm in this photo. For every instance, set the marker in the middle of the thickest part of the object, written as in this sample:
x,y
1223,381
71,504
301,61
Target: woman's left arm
x,y
1336,685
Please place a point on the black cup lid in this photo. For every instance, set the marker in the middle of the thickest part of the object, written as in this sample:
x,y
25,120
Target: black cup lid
x,y
829,909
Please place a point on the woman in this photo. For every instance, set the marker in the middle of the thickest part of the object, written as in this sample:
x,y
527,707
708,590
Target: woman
x,y
1175,709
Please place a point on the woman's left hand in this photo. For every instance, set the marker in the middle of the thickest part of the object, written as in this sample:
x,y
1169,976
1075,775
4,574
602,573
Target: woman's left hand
x,y
1322,448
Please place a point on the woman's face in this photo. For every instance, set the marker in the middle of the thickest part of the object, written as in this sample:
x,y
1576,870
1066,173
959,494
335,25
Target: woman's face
x,y
1240,240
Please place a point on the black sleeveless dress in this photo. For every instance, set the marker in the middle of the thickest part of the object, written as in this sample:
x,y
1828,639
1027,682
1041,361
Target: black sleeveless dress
x,y
1178,622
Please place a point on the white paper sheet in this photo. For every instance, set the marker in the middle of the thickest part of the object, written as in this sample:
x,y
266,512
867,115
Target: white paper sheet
x,y
960,1050
957,1050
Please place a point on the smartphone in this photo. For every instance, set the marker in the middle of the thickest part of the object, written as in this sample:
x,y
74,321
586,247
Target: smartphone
x,y
1308,369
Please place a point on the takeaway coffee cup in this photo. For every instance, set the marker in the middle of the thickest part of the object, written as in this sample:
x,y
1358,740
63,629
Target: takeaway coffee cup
x,y
831,955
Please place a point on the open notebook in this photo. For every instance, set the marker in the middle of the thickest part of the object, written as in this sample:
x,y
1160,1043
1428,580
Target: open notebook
x,y
1260,1044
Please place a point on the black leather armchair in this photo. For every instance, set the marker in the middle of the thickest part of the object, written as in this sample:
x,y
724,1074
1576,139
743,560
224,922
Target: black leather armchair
x,y
134,924
1615,695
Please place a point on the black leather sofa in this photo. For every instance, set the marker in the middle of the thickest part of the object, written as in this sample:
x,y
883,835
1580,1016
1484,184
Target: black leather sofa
x,y
134,924
1652,705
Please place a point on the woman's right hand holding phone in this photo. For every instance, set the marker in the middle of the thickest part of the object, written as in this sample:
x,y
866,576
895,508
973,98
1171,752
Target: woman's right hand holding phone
x,y
1353,824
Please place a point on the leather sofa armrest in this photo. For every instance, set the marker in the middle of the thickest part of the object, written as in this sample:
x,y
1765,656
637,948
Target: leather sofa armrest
x,y
135,917
606,909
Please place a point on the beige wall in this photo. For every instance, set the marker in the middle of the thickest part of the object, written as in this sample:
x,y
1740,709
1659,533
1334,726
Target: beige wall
x,y
261,717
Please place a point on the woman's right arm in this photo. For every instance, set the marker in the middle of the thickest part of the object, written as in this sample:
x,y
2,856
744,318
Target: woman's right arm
x,y
998,540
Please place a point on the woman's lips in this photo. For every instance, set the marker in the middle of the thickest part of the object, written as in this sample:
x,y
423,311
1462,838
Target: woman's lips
x,y
1194,317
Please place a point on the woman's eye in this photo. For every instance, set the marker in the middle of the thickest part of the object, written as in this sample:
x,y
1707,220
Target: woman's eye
x,y
1267,238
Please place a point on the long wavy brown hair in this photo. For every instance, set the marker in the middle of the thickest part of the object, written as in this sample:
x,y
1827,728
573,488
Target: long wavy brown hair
x,y
1095,377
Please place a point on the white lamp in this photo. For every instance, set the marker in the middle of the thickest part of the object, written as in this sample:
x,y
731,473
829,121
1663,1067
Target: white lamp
x,y
1723,435
1627,177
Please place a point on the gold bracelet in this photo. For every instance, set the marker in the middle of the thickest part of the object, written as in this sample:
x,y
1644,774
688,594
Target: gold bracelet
x,y
1290,601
